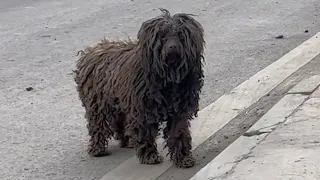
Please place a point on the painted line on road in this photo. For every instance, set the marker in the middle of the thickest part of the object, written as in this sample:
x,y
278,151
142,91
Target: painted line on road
x,y
226,161
228,106
240,149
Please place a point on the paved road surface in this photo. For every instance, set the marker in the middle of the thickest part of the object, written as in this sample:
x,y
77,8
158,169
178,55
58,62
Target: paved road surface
x,y
42,132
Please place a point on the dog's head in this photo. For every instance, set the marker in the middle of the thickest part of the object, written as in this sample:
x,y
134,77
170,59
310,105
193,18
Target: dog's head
x,y
172,46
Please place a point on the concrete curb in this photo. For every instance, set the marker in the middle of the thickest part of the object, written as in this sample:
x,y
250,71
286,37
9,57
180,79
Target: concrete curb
x,y
225,162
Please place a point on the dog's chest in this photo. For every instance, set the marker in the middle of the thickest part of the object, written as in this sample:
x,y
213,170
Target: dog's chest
x,y
168,102
172,92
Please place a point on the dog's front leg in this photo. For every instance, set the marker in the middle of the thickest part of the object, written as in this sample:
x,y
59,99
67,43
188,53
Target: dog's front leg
x,y
143,138
99,132
178,140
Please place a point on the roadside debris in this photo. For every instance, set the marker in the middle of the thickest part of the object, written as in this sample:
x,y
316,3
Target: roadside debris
x,y
279,36
29,88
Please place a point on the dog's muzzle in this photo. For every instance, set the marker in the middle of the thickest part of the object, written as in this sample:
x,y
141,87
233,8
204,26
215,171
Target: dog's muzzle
x,y
173,58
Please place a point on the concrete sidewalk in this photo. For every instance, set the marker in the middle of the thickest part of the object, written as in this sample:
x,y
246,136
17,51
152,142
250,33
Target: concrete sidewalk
x,y
283,145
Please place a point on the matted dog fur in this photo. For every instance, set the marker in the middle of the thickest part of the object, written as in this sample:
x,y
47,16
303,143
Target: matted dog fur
x,y
130,88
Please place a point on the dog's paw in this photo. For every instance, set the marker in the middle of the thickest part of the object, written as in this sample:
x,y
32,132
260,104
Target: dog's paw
x,y
126,143
152,158
185,162
99,152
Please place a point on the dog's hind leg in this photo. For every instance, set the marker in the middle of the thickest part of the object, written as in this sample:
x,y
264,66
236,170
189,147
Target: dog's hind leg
x,y
119,127
178,140
143,137
99,132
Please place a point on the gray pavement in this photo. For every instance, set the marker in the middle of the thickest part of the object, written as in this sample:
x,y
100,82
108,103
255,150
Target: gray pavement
x,y
42,132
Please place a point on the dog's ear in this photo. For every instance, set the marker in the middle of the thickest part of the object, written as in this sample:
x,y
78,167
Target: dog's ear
x,y
149,42
149,35
147,30
150,28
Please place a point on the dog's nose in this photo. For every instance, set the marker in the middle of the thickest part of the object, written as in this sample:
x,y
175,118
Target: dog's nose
x,y
172,46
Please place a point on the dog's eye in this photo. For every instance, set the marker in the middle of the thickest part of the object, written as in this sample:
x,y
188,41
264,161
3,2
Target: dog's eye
x,y
164,33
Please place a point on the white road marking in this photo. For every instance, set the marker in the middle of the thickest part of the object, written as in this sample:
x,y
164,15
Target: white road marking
x,y
227,160
239,149
219,113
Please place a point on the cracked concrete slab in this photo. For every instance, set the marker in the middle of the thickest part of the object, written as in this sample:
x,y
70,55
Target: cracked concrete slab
x,y
226,163
290,152
316,93
306,86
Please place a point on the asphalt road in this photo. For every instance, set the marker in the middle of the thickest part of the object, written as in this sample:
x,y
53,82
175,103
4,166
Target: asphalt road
x,y
42,131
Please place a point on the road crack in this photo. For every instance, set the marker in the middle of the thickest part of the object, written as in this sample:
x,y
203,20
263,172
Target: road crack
x,y
302,93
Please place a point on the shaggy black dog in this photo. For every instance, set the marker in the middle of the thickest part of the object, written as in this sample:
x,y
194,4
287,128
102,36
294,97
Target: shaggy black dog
x,y
130,88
